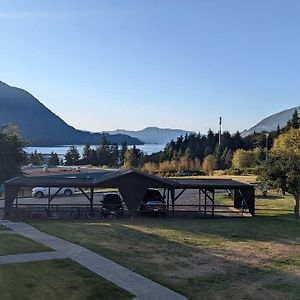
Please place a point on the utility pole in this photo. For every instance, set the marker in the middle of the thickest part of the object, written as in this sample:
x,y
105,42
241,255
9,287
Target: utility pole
x,y
220,131
267,139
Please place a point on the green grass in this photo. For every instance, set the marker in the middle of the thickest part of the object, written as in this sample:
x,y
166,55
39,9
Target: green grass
x,y
3,227
237,258
56,279
17,244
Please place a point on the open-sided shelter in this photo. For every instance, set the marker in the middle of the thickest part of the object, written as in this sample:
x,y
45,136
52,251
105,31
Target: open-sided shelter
x,y
132,185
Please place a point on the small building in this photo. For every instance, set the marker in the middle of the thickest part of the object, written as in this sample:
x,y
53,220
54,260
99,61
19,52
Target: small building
x,y
133,184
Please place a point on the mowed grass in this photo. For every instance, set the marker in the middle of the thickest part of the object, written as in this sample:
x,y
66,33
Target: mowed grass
x,y
238,258
3,227
17,244
55,279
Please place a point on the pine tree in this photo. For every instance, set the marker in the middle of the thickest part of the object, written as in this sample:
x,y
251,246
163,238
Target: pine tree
x,y
72,156
86,154
295,121
36,158
53,159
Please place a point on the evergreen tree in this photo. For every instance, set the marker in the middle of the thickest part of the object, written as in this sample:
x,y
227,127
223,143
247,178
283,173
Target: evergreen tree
x,y
295,121
132,157
87,154
53,159
122,153
72,156
36,158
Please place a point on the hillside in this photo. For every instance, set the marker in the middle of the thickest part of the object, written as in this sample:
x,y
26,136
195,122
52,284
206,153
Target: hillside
x,y
270,123
41,126
153,135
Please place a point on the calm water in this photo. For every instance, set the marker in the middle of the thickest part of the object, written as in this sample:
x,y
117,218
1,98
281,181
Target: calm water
x,y
61,150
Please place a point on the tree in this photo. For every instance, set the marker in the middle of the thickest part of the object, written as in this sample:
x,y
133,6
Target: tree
x,y
53,159
72,156
86,154
288,142
36,158
123,150
210,164
282,170
246,159
295,121
132,157
12,154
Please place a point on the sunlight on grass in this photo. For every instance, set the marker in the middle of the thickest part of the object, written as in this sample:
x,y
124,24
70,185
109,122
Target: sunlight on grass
x,y
56,279
207,257
16,244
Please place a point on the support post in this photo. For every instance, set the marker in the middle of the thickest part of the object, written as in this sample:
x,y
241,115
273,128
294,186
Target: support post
x,y
49,200
92,200
173,200
205,201
168,202
213,204
199,208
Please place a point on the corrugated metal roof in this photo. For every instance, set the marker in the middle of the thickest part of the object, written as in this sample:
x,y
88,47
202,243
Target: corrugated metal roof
x,y
110,177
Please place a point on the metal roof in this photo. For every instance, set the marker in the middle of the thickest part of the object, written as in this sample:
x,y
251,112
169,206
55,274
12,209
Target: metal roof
x,y
110,179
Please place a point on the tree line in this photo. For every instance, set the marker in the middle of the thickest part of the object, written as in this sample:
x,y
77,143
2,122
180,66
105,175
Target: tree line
x,y
235,153
105,154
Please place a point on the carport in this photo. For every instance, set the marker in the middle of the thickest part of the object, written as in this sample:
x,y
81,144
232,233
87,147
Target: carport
x,y
132,185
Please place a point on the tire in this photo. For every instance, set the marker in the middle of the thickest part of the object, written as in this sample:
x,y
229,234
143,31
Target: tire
x,y
68,193
89,214
39,194
76,214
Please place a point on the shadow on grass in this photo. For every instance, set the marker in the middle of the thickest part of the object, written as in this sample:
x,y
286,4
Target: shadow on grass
x,y
260,228
192,270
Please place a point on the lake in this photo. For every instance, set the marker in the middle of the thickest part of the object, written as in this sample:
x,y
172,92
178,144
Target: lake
x,y
61,150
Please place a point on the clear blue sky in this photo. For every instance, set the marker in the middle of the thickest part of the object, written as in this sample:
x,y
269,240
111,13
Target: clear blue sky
x,y
103,65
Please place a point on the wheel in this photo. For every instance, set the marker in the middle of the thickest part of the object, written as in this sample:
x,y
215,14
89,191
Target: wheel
x,y
75,214
68,193
39,194
89,214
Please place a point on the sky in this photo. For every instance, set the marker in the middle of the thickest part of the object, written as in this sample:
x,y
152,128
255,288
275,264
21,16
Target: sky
x,y
103,65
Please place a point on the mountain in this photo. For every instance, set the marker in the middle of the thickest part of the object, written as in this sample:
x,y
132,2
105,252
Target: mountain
x,y
153,135
41,126
270,123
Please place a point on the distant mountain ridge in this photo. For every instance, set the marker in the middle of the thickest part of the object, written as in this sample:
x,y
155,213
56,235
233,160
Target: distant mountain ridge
x,y
41,126
153,135
270,123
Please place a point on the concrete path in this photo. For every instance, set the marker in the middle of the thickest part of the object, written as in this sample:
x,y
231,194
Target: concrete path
x,y
134,283
28,257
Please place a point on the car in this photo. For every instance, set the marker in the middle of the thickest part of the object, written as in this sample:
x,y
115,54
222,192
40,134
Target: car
x,y
40,192
112,206
153,203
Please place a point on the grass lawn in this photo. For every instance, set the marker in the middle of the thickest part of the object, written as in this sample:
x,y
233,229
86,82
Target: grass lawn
x,y
16,244
3,227
239,258
219,175
55,279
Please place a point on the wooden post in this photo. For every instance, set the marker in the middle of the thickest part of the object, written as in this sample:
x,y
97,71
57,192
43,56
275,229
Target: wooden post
x,y
49,200
173,200
205,201
168,201
92,200
213,204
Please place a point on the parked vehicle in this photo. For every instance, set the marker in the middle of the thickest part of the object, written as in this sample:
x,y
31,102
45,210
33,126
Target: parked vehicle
x,y
40,192
153,203
112,206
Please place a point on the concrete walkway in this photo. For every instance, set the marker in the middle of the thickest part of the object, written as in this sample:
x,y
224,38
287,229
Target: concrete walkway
x,y
134,283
